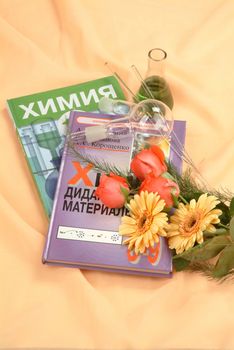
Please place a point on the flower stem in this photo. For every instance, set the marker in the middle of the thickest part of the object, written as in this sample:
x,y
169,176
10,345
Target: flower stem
x,y
183,199
225,226
219,231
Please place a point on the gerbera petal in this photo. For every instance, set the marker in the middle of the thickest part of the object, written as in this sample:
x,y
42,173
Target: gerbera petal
x,y
175,219
126,241
130,244
126,230
146,240
190,243
162,233
217,212
160,206
211,228
207,203
181,208
150,234
193,204
173,227
128,220
155,240
174,242
142,249
133,207
138,241
201,200
199,237
215,221
172,233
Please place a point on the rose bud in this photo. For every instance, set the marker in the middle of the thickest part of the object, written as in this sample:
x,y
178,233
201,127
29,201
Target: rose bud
x,y
164,187
109,190
148,161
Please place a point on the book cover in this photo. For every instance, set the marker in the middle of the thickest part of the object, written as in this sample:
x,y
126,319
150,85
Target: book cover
x,y
83,232
41,122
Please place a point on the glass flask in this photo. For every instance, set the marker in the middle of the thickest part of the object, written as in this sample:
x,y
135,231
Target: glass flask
x,y
155,85
148,116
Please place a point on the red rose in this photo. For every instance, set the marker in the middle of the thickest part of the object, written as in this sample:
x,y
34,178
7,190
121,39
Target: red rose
x,y
148,161
109,190
163,186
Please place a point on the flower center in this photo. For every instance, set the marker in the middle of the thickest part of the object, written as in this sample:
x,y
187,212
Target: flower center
x,y
144,222
191,224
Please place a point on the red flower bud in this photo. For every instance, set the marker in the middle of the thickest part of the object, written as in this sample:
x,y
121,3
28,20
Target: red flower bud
x,y
109,190
164,187
149,161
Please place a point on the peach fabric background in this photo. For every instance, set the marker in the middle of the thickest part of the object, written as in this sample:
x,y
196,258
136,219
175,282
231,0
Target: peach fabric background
x,y
49,44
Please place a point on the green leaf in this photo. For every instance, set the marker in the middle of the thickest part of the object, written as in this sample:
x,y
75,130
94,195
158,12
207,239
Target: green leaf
x,y
167,175
232,228
225,217
175,200
125,192
219,231
147,146
180,264
231,208
205,251
225,263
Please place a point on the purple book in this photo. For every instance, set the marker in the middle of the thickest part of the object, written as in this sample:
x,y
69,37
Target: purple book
x,y
83,232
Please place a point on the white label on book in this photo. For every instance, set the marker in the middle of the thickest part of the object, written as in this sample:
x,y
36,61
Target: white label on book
x,y
88,235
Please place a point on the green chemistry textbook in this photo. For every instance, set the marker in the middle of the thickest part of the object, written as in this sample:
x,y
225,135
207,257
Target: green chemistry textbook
x,y
41,121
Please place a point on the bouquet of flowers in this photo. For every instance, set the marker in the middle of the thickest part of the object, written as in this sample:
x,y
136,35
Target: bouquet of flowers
x,y
197,223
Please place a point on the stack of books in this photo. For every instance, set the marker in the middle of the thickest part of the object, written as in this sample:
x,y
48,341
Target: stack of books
x,y
82,231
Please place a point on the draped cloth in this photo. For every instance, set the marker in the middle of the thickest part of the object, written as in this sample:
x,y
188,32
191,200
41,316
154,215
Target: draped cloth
x,y
50,44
